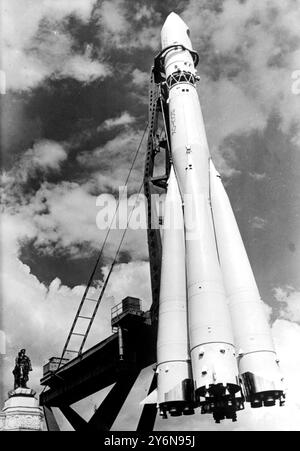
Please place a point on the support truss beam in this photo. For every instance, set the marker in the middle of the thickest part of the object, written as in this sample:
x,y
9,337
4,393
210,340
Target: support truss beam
x,y
108,411
148,416
51,422
76,421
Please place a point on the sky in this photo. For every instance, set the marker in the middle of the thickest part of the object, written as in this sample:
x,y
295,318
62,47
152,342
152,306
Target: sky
x,y
74,97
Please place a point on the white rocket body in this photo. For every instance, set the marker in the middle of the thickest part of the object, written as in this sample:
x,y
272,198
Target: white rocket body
x,y
214,365
257,360
226,335
211,339
173,359
186,121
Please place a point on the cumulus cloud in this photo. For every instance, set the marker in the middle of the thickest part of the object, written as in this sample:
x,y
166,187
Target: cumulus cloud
x,y
228,109
63,216
124,119
38,317
140,78
63,219
82,68
289,301
45,154
248,52
44,158
118,31
122,149
36,45
258,223
257,177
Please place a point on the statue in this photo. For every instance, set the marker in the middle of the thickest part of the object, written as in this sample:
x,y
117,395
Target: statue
x,y
21,370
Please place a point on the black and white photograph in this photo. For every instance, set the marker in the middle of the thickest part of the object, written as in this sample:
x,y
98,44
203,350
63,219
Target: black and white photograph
x,y
150,218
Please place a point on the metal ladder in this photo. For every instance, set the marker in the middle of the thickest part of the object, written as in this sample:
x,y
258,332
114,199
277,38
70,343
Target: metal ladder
x,y
79,316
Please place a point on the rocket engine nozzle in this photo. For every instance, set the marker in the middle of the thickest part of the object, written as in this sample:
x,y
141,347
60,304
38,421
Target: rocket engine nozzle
x,y
261,392
220,400
176,408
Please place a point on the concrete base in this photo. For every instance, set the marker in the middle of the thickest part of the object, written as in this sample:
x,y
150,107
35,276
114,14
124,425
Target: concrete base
x,y
21,412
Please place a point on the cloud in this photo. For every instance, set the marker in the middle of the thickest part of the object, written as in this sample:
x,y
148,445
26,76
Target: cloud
x,y
140,79
286,335
29,308
289,301
38,317
118,31
34,165
58,213
83,68
123,120
37,45
122,149
126,279
62,218
113,17
257,177
258,223
248,51
45,157
228,109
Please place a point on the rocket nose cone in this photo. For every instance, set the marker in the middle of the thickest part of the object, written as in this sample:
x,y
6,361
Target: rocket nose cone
x,y
175,31
173,19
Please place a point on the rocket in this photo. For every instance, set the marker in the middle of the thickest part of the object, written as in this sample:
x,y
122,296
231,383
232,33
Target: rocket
x,y
214,346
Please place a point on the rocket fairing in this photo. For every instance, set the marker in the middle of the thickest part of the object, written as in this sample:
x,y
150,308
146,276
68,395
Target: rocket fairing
x,y
212,329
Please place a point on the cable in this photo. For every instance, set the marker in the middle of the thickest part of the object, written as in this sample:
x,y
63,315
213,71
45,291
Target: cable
x,y
109,273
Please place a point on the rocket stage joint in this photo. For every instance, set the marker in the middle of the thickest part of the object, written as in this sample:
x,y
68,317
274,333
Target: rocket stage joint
x,y
159,62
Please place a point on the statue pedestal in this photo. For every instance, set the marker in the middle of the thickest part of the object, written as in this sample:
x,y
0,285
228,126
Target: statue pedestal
x,y
21,412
